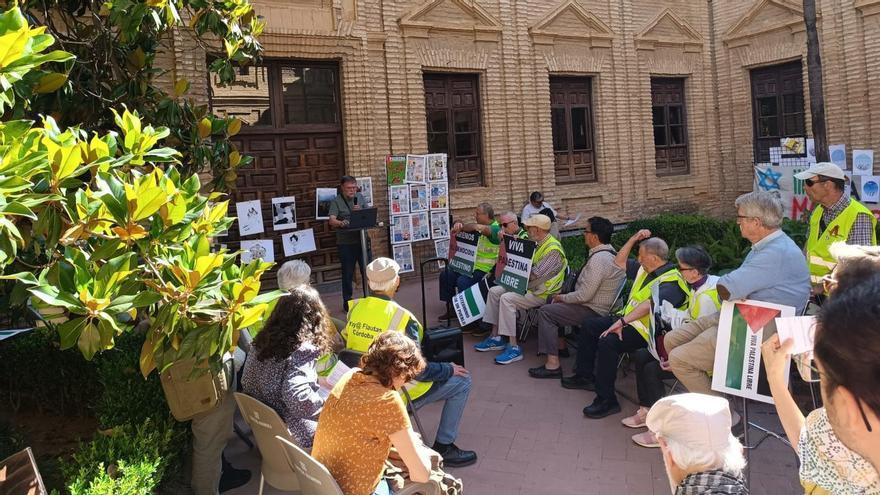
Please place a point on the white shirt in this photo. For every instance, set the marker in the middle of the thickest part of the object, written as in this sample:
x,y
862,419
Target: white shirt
x,y
529,210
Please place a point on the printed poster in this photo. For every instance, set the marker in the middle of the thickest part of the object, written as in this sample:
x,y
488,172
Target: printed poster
x,y
440,224
259,249
517,265
870,189
439,195
299,242
401,229
837,154
323,197
395,169
793,146
863,162
403,255
739,369
416,168
399,199
250,217
418,197
365,187
470,304
421,229
284,213
462,261
437,167
441,248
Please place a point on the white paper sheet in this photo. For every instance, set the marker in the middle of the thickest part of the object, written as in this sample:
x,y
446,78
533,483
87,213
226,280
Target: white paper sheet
x,y
800,329
572,220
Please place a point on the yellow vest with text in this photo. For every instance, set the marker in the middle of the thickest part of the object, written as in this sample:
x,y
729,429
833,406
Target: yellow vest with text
x,y
487,252
554,284
819,257
708,289
642,292
370,316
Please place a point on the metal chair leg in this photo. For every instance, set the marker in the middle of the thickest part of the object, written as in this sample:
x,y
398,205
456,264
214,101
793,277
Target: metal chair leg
x,y
412,410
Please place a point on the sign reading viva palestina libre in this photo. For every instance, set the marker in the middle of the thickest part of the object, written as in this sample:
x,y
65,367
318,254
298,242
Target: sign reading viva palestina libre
x,y
515,276
465,254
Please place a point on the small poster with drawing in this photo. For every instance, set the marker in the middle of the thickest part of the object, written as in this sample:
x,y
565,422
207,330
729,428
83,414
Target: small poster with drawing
x,y
258,249
437,167
250,217
395,169
284,213
416,168
399,199
299,242
365,187
418,197
421,230
401,229
439,195
440,224
403,255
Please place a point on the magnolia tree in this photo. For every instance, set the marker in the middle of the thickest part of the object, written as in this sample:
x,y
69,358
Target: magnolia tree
x,y
105,225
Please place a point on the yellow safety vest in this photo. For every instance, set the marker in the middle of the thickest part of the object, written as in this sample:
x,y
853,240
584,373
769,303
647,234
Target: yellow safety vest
x,y
709,288
818,249
370,316
642,292
553,285
487,252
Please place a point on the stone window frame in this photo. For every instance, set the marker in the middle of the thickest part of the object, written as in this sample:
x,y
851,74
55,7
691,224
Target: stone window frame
x,y
788,123
662,87
575,174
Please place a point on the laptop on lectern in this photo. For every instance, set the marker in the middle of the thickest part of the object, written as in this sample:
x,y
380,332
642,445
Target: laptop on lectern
x,y
362,219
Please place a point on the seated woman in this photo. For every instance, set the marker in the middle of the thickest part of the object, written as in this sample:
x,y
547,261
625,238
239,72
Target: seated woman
x,y
280,372
364,416
838,444
694,264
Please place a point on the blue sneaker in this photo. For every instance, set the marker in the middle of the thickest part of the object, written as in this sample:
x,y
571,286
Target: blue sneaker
x,y
490,344
512,353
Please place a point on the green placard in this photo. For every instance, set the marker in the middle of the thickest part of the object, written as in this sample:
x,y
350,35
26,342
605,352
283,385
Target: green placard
x,y
465,256
517,265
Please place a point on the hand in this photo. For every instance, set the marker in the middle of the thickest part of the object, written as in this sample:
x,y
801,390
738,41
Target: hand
x,y
459,370
615,328
557,299
664,365
776,357
457,227
641,235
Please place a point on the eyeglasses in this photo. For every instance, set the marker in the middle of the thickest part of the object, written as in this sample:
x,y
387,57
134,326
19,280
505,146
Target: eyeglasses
x,y
811,374
685,269
812,182
743,217
505,224
829,283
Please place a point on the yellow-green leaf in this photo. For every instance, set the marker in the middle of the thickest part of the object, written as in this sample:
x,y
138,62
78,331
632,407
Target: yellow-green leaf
x,y
204,128
233,128
181,87
50,83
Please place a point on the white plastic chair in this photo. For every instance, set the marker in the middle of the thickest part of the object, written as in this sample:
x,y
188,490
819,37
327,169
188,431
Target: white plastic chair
x,y
267,426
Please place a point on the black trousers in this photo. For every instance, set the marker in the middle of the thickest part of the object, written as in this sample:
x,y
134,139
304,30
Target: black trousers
x,y
649,378
602,354
349,255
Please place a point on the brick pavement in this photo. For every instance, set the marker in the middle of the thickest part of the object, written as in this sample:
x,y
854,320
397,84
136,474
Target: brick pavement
x,y
532,438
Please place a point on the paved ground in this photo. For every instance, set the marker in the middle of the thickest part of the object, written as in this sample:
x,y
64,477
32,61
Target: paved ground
x,y
532,438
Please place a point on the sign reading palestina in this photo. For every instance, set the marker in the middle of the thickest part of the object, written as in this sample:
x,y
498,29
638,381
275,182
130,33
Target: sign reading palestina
x,y
517,264
742,328
464,254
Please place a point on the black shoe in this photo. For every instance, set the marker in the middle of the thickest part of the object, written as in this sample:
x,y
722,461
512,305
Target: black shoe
x,y
601,408
578,382
470,327
483,329
454,456
449,314
232,478
563,353
543,372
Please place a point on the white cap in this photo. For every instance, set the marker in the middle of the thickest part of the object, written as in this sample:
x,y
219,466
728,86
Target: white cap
x,y
697,420
825,169
382,270
540,221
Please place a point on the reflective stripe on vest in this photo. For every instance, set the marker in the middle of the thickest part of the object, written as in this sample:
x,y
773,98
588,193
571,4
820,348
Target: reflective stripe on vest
x,y
553,285
487,252
819,257
642,293
369,317
694,308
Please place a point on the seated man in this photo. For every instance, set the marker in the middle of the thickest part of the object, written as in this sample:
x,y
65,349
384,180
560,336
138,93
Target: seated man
x,y
509,226
545,279
593,295
603,339
694,429
487,254
449,382
774,271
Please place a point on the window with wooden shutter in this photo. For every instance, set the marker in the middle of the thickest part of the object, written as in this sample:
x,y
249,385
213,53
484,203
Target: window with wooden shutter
x,y
777,106
452,110
669,118
571,119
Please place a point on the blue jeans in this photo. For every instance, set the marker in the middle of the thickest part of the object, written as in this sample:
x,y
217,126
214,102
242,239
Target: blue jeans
x,y
349,255
454,392
382,488
450,280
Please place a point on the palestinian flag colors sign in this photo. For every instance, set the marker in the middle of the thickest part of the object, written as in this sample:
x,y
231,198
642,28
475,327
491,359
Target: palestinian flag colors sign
x,y
517,259
739,369
471,304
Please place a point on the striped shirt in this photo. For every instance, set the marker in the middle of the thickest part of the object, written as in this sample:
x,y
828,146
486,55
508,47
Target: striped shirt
x,y
861,233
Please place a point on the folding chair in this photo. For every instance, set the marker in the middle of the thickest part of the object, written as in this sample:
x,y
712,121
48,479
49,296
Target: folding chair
x,y
353,358
267,426
315,478
19,475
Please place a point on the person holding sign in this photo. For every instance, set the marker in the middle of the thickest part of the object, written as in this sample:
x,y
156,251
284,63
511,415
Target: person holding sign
x,y
604,339
456,275
543,281
448,382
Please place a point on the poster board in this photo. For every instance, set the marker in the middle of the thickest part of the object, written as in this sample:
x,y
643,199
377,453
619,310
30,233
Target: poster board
x,y
465,255
517,264
395,169
739,369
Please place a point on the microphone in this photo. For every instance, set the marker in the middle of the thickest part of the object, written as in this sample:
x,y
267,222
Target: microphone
x,y
355,199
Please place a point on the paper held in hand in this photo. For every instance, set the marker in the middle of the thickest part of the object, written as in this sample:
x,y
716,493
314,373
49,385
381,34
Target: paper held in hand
x,y
326,383
799,329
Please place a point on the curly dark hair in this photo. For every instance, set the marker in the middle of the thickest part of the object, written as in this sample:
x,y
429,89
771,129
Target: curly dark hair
x,y
390,355
298,317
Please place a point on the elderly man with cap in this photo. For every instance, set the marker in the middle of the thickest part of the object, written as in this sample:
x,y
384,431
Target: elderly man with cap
x,y
699,452
836,217
448,382
545,280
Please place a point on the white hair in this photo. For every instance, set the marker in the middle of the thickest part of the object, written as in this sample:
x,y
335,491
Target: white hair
x,y
384,287
293,274
691,460
765,206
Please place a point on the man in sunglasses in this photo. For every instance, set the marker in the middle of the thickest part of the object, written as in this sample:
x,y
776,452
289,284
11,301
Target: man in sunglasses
x,y
835,218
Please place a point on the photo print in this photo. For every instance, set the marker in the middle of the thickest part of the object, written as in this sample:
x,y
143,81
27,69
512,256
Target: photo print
x,y
324,196
258,249
299,242
418,197
250,217
421,230
284,213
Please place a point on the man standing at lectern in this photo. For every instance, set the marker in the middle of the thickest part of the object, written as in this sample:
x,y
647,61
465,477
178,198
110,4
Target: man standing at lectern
x,y
348,242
